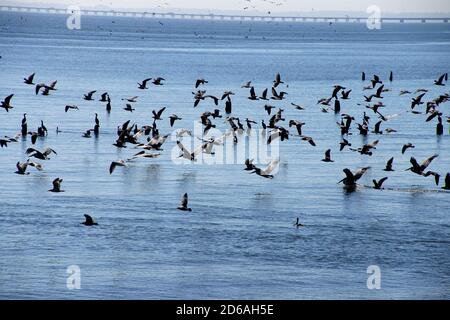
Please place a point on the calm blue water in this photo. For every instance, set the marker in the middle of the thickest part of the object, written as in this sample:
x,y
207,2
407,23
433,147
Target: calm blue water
x,y
238,242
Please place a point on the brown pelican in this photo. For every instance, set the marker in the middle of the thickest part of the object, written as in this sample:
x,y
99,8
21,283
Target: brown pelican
x,y
89,221
184,203
377,184
114,164
327,156
57,185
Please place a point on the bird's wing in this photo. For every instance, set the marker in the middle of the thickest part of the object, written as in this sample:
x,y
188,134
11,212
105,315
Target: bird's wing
x,y
427,161
161,111
31,150
382,180
184,200
389,162
8,99
48,151
349,174
89,219
358,174
414,162
186,153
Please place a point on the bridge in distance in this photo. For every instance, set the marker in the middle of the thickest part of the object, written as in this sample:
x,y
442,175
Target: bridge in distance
x,y
225,17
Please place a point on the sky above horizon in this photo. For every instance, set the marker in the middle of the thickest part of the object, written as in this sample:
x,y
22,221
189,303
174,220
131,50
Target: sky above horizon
x,y
261,5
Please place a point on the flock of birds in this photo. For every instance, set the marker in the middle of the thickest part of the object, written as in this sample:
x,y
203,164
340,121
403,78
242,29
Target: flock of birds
x,y
131,134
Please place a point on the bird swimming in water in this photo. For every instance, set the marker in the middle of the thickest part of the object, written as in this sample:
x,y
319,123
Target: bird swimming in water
x,y
57,185
327,156
297,223
89,221
184,203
